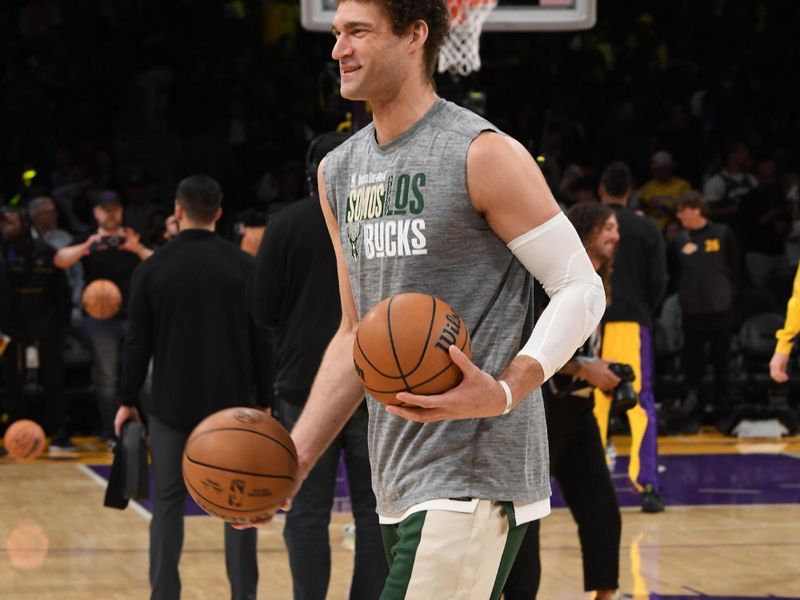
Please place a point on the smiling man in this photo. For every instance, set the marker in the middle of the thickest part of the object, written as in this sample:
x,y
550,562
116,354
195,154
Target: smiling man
x,y
458,476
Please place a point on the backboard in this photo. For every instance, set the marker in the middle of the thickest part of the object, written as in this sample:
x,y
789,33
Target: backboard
x,y
510,15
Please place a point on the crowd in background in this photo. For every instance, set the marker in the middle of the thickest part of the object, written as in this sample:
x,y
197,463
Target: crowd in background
x,y
128,97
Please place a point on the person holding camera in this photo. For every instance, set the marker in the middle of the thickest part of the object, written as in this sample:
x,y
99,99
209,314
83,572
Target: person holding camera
x,y
577,456
112,252
639,282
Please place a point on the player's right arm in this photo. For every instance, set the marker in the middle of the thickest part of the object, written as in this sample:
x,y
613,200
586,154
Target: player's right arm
x,y
336,392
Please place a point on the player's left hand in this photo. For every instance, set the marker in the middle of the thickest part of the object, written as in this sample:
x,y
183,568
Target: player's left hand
x,y
479,395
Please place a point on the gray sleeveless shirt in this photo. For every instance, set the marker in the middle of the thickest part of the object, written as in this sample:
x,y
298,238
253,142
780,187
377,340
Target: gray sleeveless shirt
x,y
407,225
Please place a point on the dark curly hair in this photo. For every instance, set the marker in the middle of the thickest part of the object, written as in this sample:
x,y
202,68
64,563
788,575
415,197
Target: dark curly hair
x,y
404,13
588,218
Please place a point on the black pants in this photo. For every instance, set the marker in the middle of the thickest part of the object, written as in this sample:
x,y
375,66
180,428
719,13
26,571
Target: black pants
x,y
306,530
577,461
50,375
166,527
694,360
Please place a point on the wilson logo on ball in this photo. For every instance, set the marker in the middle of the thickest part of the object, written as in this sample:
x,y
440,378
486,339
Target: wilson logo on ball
x,y
450,332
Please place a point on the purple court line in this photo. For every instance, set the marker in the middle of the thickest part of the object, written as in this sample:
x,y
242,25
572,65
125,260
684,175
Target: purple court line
x,y
688,480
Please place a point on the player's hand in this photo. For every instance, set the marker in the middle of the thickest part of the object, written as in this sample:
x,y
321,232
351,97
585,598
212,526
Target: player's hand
x,y
777,367
479,395
597,373
125,413
286,506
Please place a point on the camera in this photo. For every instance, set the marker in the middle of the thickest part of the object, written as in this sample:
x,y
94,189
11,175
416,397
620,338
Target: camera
x,y
623,396
107,242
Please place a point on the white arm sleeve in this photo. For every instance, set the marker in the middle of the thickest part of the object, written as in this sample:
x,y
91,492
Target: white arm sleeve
x,y
553,254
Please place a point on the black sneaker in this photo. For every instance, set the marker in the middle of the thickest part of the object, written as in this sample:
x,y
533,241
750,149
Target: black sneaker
x,y
651,500
62,443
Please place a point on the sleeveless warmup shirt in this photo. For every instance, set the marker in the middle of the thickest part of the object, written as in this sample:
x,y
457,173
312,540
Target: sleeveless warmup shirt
x,y
406,224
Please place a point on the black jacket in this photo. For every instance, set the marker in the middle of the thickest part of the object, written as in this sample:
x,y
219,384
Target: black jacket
x,y
38,293
639,279
295,290
188,310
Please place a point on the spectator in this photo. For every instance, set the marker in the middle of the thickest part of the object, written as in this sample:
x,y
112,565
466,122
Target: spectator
x,y
638,282
38,315
295,291
44,224
706,267
112,252
188,303
725,190
577,456
766,224
657,197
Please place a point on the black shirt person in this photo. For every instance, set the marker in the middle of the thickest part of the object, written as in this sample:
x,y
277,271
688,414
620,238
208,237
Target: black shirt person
x,y
188,311
295,291
38,306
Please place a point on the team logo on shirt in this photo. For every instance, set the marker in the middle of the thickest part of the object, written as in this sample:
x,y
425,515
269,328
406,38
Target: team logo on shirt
x,y
689,248
383,215
712,245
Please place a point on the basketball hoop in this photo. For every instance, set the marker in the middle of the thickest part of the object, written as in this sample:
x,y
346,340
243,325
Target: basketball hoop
x,y
459,54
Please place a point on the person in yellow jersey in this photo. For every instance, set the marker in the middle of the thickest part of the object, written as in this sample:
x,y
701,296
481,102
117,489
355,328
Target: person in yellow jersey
x,y
658,197
785,336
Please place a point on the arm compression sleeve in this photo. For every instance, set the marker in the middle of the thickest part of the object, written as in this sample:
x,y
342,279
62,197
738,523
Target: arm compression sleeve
x,y
553,254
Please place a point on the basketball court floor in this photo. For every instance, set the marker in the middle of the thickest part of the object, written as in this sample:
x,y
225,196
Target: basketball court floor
x,y
731,530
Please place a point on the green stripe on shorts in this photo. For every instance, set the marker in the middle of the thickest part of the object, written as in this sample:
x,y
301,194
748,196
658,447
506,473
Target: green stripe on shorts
x,y
513,542
400,543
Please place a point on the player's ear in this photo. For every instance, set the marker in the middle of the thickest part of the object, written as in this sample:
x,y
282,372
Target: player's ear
x,y
419,33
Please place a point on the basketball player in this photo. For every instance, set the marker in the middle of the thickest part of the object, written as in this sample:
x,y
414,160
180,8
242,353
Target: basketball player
x,y
639,281
431,197
188,312
295,290
786,335
112,252
577,456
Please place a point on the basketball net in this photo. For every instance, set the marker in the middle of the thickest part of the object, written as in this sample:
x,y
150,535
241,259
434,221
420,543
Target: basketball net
x,y
459,54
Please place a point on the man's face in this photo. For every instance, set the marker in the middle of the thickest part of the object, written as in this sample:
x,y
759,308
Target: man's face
x,y
45,217
373,61
604,244
10,226
109,216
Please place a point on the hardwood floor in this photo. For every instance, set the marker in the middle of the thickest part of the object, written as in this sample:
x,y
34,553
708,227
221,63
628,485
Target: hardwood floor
x,y
59,541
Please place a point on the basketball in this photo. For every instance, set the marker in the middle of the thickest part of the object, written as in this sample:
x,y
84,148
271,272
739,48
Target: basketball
x,y
101,299
402,346
239,464
24,439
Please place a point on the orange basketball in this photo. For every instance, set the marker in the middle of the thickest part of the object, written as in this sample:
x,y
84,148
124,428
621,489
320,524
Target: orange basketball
x,y
24,439
239,464
101,299
402,346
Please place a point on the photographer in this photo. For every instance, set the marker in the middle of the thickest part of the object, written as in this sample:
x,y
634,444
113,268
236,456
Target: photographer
x,y
577,456
112,253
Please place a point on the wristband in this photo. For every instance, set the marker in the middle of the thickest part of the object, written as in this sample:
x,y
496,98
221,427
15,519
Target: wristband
x,y
509,399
